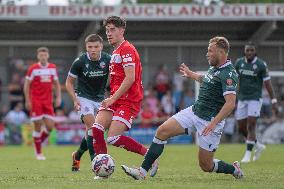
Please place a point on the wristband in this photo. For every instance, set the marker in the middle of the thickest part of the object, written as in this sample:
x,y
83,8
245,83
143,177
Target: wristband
x,y
274,100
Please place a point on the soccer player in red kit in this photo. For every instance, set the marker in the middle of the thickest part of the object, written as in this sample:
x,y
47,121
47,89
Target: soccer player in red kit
x,y
38,90
126,93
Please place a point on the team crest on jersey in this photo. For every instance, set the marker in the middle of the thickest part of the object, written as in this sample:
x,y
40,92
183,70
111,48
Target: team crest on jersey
x,y
229,81
102,64
254,66
87,65
116,58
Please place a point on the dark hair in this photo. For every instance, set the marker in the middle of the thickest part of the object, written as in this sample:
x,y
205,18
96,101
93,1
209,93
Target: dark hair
x,y
42,49
116,21
93,38
222,43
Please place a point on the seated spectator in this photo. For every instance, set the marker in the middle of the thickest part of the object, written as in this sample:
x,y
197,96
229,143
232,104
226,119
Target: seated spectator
x,y
60,116
188,99
162,82
147,116
168,104
152,100
17,116
161,116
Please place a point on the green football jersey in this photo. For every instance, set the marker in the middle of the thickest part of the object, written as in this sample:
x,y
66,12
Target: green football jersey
x,y
91,76
251,77
216,83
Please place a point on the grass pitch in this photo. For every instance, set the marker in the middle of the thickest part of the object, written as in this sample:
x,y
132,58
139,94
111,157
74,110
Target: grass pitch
x,y
178,169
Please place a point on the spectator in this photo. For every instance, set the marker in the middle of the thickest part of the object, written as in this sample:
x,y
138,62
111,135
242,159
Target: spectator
x,y
152,100
147,116
60,116
168,104
188,99
178,82
17,116
162,82
16,93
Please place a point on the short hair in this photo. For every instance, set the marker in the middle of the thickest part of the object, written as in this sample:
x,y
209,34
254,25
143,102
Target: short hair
x,y
42,49
116,21
94,38
222,43
250,44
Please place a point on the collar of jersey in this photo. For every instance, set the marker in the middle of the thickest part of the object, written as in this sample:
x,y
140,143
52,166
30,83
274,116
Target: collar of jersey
x,y
228,62
88,56
119,45
42,65
253,61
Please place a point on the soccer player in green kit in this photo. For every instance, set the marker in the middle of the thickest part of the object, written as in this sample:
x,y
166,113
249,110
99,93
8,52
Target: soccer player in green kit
x,y
253,72
91,70
216,100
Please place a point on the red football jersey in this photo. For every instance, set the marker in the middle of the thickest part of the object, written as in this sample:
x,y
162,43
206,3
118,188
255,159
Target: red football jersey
x,y
126,55
42,78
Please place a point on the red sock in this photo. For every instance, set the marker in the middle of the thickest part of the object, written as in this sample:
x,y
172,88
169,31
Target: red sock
x,y
99,142
44,135
129,144
37,142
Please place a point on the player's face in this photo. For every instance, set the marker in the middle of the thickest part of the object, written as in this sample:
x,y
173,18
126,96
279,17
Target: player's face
x,y
114,34
43,57
94,49
213,55
250,53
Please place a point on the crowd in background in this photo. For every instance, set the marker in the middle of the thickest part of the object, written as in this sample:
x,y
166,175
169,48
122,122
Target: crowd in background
x,y
164,96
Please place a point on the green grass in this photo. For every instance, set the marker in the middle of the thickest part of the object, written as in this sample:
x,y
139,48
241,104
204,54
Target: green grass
x,y
178,169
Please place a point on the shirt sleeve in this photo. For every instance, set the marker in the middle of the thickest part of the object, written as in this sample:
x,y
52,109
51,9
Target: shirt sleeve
x,y
75,68
265,72
229,83
128,57
56,73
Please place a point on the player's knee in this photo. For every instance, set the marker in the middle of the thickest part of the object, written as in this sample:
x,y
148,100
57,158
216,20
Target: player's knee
x,y
162,133
112,140
205,166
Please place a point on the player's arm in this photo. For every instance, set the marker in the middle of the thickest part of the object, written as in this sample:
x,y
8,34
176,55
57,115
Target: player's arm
x,y
129,79
27,94
71,91
228,107
186,72
57,93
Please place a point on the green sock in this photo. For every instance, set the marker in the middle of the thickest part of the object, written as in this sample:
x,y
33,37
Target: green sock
x,y
250,145
155,150
82,149
225,168
90,147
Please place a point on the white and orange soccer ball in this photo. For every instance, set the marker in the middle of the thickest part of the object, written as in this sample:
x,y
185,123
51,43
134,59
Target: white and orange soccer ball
x,y
103,165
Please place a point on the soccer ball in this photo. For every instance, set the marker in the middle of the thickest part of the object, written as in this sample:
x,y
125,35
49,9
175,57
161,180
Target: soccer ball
x,y
103,165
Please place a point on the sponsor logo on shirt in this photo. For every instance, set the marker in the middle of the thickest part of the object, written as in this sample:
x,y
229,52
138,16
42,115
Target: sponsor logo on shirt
x,y
102,64
229,81
127,58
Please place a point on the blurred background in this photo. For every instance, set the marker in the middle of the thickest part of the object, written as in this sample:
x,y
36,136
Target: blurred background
x,y
166,33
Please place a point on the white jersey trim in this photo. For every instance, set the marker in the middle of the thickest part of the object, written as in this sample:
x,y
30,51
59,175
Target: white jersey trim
x,y
266,78
229,92
72,75
128,64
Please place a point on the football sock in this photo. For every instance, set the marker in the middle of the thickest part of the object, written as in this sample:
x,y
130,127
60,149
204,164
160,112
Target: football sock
x,y
250,145
83,147
155,150
90,147
127,143
223,167
44,135
99,143
37,142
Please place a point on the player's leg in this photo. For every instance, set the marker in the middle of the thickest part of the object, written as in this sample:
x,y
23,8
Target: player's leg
x,y
242,127
208,145
168,129
208,164
37,138
180,123
89,120
102,122
254,108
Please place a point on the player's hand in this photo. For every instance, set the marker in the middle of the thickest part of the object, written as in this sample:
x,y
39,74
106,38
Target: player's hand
x,y
57,102
77,105
107,102
209,129
28,105
184,70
